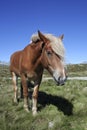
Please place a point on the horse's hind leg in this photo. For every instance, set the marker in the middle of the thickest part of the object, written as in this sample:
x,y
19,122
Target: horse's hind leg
x,y
15,83
21,91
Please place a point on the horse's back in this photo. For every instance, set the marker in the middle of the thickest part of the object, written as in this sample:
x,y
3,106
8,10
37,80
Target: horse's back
x,y
15,62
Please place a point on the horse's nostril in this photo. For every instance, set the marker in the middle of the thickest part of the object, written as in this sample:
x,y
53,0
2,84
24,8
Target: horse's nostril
x,y
59,79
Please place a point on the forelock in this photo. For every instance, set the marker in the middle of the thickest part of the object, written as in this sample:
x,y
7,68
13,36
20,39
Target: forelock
x,y
57,45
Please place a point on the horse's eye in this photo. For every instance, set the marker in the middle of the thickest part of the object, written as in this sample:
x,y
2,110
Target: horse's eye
x,y
49,53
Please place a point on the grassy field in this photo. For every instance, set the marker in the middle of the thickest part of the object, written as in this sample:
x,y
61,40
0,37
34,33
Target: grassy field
x,y
59,107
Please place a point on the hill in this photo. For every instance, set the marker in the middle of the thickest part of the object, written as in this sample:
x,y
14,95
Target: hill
x,y
77,69
72,70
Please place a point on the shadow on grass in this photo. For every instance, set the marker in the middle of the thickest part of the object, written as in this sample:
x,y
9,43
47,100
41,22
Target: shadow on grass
x,y
61,103
46,99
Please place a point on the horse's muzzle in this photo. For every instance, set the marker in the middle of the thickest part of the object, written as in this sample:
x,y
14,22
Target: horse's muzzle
x,y
61,81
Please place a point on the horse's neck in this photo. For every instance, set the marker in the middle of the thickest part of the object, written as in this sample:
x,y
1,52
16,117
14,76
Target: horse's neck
x,y
36,51
37,59
33,56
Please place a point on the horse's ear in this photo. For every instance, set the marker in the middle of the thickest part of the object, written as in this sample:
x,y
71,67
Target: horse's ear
x,y
61,37
42,37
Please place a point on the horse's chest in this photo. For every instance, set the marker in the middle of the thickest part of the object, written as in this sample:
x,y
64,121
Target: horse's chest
x,y
32,75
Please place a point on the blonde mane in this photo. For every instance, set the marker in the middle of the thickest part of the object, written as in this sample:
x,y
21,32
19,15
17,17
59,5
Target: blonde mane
x,y
55,42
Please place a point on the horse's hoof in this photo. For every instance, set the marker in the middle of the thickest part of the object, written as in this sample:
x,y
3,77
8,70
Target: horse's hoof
x,y
26,109
34,113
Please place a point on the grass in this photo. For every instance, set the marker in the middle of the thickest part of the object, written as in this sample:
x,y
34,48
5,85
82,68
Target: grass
x,y
59,108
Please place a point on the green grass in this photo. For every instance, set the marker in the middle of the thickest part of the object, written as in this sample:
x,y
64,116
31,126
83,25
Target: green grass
x,y
59,108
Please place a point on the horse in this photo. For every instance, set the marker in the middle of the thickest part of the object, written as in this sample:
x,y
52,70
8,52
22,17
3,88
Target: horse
x,y
45,51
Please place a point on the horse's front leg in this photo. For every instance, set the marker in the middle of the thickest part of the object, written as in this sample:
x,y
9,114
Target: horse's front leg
x,y
25,92
34,99
35,92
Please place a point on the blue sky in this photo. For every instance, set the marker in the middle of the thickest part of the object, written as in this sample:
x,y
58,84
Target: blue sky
x,y
19,19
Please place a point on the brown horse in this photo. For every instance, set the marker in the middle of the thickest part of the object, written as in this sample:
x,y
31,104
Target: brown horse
x,y
45,51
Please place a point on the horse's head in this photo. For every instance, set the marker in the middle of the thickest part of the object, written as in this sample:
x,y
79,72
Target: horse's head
x,y
52,57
